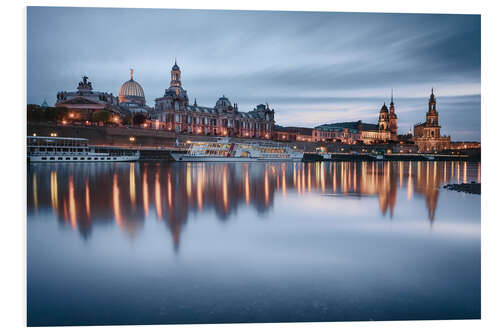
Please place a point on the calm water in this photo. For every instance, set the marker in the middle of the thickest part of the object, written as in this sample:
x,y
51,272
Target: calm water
x,y
151,243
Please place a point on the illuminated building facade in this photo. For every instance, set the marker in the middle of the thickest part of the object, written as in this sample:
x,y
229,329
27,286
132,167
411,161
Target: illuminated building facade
x,y
427,135
358,132
85,101
351,133
174,113
291,134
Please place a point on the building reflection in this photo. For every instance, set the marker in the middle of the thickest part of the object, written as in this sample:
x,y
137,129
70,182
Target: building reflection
x,y
83,195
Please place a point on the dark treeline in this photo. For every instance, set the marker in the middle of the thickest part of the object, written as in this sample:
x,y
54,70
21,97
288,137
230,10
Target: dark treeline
x,y
37,113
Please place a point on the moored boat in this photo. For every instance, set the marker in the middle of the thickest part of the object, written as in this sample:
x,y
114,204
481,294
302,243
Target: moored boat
x,y
224,151
61,149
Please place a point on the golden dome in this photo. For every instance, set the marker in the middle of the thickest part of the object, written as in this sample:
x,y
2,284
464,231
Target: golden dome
x,y
130,90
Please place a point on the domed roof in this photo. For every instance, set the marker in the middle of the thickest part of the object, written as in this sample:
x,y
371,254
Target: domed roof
x,y
175,67
384,108
432,98
223,102
131,88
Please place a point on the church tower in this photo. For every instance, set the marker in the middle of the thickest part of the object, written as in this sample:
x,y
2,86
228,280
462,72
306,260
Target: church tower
x,y
175,75
431,118
383,118
393,119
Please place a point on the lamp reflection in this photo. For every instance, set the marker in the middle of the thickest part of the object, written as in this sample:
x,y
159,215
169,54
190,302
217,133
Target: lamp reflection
x,y
72,204
158,195
81,197
145,192
53,190
116,201
35,192
132,184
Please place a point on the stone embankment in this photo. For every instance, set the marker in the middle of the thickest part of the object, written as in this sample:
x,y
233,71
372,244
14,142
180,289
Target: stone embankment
x,y
472,187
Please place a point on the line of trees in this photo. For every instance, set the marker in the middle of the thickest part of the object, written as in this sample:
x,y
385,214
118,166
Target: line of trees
x,y
36,113
39,114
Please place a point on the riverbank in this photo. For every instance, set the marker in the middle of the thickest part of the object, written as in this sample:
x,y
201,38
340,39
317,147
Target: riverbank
x,y
472,188
154,144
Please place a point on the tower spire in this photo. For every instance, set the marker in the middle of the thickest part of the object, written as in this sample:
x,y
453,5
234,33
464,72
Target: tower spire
x,y
131,73
392,93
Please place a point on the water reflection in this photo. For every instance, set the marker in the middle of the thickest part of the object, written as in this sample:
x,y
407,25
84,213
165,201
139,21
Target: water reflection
x,y
80,195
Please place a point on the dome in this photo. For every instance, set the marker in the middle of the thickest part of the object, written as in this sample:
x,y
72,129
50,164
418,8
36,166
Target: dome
x,y
131,88
175,67
384,108
223,102
131,91
432,98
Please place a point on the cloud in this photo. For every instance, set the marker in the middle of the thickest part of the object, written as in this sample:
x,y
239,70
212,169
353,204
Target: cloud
x,y
310,66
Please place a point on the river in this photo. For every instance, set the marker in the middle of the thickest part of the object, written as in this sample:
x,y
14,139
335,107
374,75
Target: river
x,y
159,243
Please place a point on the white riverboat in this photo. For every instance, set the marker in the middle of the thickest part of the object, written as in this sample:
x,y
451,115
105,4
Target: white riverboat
x,y
60,149
224,151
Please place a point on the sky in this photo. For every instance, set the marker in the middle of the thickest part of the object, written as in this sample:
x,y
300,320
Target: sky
x,y
311,67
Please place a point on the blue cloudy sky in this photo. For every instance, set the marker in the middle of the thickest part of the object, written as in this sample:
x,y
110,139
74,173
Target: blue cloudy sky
x,y
311,67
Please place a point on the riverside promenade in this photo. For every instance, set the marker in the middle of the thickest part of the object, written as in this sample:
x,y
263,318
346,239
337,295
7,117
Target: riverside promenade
x,y
156,144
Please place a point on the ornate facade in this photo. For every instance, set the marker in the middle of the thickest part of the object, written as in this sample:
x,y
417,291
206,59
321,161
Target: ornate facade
x,y
388,120
84,101
174,113
358,132
427,135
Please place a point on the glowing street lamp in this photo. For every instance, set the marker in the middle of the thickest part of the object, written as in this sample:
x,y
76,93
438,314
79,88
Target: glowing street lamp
x,y
131,139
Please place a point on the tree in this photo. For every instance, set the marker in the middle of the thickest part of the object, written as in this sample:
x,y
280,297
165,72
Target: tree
x,y
139,119
127,119
100,115
38,114
34,113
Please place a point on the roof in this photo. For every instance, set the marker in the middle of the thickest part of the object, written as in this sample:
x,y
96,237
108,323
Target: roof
x,y
209,110
291,129
352,126
131,88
